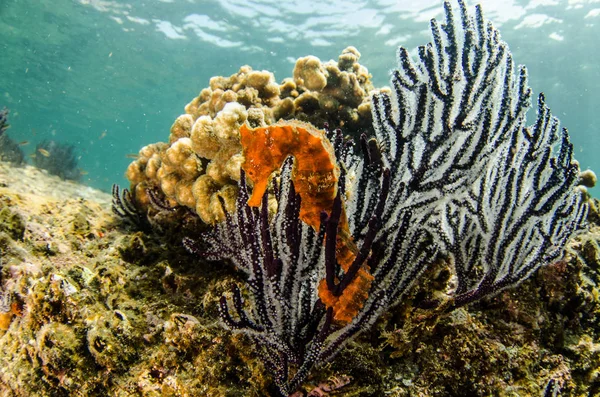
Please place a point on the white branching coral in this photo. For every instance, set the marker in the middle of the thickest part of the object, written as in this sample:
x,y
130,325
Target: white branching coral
x,y
453,172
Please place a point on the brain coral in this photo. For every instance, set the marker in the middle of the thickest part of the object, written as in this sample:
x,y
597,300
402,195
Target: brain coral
x,y
201,163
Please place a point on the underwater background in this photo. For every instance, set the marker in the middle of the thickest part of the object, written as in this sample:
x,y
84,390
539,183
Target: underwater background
x,y
134,293
111,76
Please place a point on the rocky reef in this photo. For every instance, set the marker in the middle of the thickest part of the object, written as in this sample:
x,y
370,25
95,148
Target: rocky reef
x,y
92,310
98,310
458,253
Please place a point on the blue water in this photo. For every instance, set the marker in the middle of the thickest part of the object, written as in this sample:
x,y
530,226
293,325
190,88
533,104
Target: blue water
x,y
112,76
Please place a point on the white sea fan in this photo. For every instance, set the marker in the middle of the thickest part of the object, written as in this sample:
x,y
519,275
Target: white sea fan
x,y
453,171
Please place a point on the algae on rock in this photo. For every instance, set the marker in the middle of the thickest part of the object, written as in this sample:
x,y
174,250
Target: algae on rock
x,y
101,310
91,313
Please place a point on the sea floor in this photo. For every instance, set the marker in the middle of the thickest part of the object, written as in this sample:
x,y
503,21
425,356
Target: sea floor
x,y
93,307
27,179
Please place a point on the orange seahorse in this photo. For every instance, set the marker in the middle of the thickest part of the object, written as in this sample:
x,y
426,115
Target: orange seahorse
x,y
315,174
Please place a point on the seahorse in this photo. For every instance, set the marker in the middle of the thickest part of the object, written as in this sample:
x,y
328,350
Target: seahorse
x,y
315,174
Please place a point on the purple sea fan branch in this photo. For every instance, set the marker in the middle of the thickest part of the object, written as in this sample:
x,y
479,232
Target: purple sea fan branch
x,y
478,185
123,205
283,259
279,257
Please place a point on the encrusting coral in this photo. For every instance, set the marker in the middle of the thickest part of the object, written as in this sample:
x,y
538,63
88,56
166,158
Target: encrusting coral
x,y
200,166
88,310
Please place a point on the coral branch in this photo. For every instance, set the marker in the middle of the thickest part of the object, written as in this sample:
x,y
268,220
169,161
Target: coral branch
x,y
10,150
123,205
279,256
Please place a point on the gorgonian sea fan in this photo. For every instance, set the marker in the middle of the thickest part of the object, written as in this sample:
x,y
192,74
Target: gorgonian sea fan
x,y
453,172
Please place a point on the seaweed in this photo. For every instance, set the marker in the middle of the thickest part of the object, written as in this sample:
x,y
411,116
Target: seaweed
x,y
10,151
58,159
